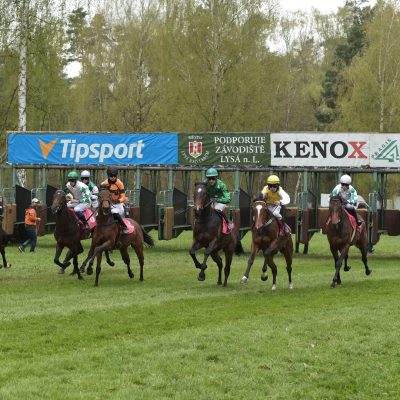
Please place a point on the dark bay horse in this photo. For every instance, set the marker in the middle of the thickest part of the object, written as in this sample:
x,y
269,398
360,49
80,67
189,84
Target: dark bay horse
x,y
105,234
266,237
341,236
3,243
207,233
67,233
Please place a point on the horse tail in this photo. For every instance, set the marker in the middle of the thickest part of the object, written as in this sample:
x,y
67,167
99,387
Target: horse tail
x,y
239,248
147,238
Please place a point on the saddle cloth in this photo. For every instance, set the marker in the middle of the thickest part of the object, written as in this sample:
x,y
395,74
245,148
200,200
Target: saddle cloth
x,y
129,227
225,228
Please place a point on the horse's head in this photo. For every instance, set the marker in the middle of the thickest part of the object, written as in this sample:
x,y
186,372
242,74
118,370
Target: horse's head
x,y
335,209
201,199
59,201
105,200
261,214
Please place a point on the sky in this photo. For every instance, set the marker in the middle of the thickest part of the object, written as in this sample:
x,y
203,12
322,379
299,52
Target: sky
x,y
324,6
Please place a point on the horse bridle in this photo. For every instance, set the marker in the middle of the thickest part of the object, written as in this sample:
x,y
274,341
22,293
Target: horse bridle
x,y
59,207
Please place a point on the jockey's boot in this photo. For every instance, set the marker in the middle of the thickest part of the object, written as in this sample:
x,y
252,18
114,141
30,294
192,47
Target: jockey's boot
x,y
121,222
225,218
83,219
285,227
358,219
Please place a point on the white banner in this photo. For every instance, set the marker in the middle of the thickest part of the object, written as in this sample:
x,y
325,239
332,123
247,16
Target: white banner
x,y
385,150
320,149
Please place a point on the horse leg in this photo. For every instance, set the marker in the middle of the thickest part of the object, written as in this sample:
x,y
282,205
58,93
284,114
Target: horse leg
x,y
336,278
3,256
126,259
218,261
364,252
346,267
140,256
67,259
98,268
96,251
228,262
76,267
59,249
335,254
108,259
274,269
288,258
264,274
254,249
195,246
210,249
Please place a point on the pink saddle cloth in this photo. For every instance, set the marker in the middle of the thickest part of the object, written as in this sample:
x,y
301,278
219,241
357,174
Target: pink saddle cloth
x,y
225,228
129,227
90,218
353,222
282,228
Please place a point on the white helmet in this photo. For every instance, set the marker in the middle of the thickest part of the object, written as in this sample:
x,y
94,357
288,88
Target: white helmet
x,y
85,174
345,179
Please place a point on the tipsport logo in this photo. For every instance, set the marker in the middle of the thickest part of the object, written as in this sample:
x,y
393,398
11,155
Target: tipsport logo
x,y
389,151
72,151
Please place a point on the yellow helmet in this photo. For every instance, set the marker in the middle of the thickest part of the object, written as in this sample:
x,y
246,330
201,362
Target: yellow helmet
x,y
273,180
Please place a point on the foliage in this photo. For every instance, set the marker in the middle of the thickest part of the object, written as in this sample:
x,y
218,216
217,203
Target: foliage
x,y
174,337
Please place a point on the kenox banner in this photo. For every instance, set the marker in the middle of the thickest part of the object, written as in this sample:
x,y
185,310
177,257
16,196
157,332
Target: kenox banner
x,y
320,149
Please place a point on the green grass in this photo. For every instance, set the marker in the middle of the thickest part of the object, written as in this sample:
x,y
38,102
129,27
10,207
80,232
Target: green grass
x,y
172,337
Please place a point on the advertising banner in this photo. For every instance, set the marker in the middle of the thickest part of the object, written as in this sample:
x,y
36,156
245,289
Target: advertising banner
x,y
320,149
86,149
226,149
385,150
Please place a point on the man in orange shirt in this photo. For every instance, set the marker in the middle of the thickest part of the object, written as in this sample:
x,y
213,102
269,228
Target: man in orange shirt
x,y
117,189
30,226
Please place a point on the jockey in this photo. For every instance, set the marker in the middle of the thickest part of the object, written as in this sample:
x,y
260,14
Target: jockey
x,y
94,191
349,196
117,189
218,191
78,196
275,197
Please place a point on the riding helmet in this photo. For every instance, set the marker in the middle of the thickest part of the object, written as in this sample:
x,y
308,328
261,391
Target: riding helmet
x,y
85,174
73,175
345,179
273,180
111,170
211,172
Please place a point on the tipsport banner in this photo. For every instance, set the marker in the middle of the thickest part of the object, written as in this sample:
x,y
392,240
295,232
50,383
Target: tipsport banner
x,y
226,149
86,149
321,149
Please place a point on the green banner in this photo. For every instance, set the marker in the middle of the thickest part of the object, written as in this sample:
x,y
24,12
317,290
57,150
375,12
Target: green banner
x,y
227,149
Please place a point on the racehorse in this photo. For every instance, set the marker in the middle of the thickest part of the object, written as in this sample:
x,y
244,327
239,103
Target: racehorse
x,y
342,235
266,237
67,233
3,243
105,234
207,233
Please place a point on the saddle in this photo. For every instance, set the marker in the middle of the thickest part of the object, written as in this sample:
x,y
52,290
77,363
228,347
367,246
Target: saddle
x,y
226,227
282,225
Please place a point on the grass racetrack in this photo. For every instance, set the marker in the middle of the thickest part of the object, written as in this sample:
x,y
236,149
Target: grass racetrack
x,y
172,337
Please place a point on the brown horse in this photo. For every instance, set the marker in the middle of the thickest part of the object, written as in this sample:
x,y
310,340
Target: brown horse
x,y
341,236
67,233
3,243
207,233
105,234
266,237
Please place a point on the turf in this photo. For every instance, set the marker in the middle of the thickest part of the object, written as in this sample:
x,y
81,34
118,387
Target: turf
x,y
173,337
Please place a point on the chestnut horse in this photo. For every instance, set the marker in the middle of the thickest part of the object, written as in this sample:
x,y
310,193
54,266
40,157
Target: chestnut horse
x,y
266,237
67,233
207,233
341,236
105,234
3,243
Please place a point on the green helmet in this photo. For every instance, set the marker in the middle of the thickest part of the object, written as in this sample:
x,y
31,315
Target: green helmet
x,y
73,175
211,172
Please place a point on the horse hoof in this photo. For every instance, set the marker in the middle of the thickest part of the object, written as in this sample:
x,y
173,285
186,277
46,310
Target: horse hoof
x,y
89,271
8,265
111,264
61,271
82,270
131,275
66,264
368,271
333,285
201,277
243,280
291,286
80,277
273,287
72,273
264,277
347,268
